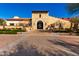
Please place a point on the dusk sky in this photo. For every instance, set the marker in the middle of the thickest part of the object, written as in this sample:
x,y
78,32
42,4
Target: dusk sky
x,y
24,10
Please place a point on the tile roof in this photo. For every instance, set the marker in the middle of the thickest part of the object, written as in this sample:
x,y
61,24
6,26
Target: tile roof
x,y
66,19
19,19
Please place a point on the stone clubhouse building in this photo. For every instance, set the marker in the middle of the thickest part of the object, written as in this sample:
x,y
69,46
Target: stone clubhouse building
x,y
39,20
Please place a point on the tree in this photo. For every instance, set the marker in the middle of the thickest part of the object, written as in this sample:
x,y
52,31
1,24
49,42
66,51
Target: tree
x,y
2,23
60,26
73,7
75,22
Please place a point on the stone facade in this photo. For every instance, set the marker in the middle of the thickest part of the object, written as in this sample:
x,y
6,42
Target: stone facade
x,y
39,16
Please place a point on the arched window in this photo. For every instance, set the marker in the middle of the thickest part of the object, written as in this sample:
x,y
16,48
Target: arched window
x,y
39,15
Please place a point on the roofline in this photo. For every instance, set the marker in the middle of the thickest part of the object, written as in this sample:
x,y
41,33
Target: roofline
x,y
39,11
17,19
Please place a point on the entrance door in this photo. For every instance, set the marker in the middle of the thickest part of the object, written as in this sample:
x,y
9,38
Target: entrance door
x,y
39,25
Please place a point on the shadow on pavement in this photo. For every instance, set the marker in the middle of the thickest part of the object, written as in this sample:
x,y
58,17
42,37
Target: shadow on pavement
x,y
74,48
26,52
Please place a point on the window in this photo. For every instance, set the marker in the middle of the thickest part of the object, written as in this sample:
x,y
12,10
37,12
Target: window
x,y
39,15
11,24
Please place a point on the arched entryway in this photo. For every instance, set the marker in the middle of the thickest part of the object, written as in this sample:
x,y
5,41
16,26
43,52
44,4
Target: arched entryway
x,y
39,25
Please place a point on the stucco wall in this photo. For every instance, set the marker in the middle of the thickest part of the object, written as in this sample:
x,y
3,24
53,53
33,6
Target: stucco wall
x,y
15,22
66,23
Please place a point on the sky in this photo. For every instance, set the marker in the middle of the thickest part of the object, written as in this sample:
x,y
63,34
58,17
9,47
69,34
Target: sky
x,y
24,10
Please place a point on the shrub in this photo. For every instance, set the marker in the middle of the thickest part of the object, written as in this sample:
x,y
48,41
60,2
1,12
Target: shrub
x,y
8,32
19,30
62,30
11,31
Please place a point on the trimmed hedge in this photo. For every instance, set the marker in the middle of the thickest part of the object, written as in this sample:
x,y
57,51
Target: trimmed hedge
x,y
11,31
8,32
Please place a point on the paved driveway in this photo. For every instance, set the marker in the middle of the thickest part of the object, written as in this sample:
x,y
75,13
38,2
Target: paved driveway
x,y
44,43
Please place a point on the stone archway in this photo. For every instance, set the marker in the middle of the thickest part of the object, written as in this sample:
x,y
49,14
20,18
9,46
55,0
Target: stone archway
x,y
39,25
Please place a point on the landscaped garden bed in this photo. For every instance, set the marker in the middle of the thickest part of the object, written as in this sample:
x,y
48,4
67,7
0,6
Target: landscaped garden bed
x,y
11,31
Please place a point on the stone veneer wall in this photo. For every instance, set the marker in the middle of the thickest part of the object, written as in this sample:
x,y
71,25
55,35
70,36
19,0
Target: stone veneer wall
x,y
36,18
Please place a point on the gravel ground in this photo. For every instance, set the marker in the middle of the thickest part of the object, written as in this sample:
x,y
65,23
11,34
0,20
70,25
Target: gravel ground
x,y
39,44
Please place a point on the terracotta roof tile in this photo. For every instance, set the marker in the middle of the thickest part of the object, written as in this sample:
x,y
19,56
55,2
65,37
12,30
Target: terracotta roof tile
x,y
66,19
20,19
